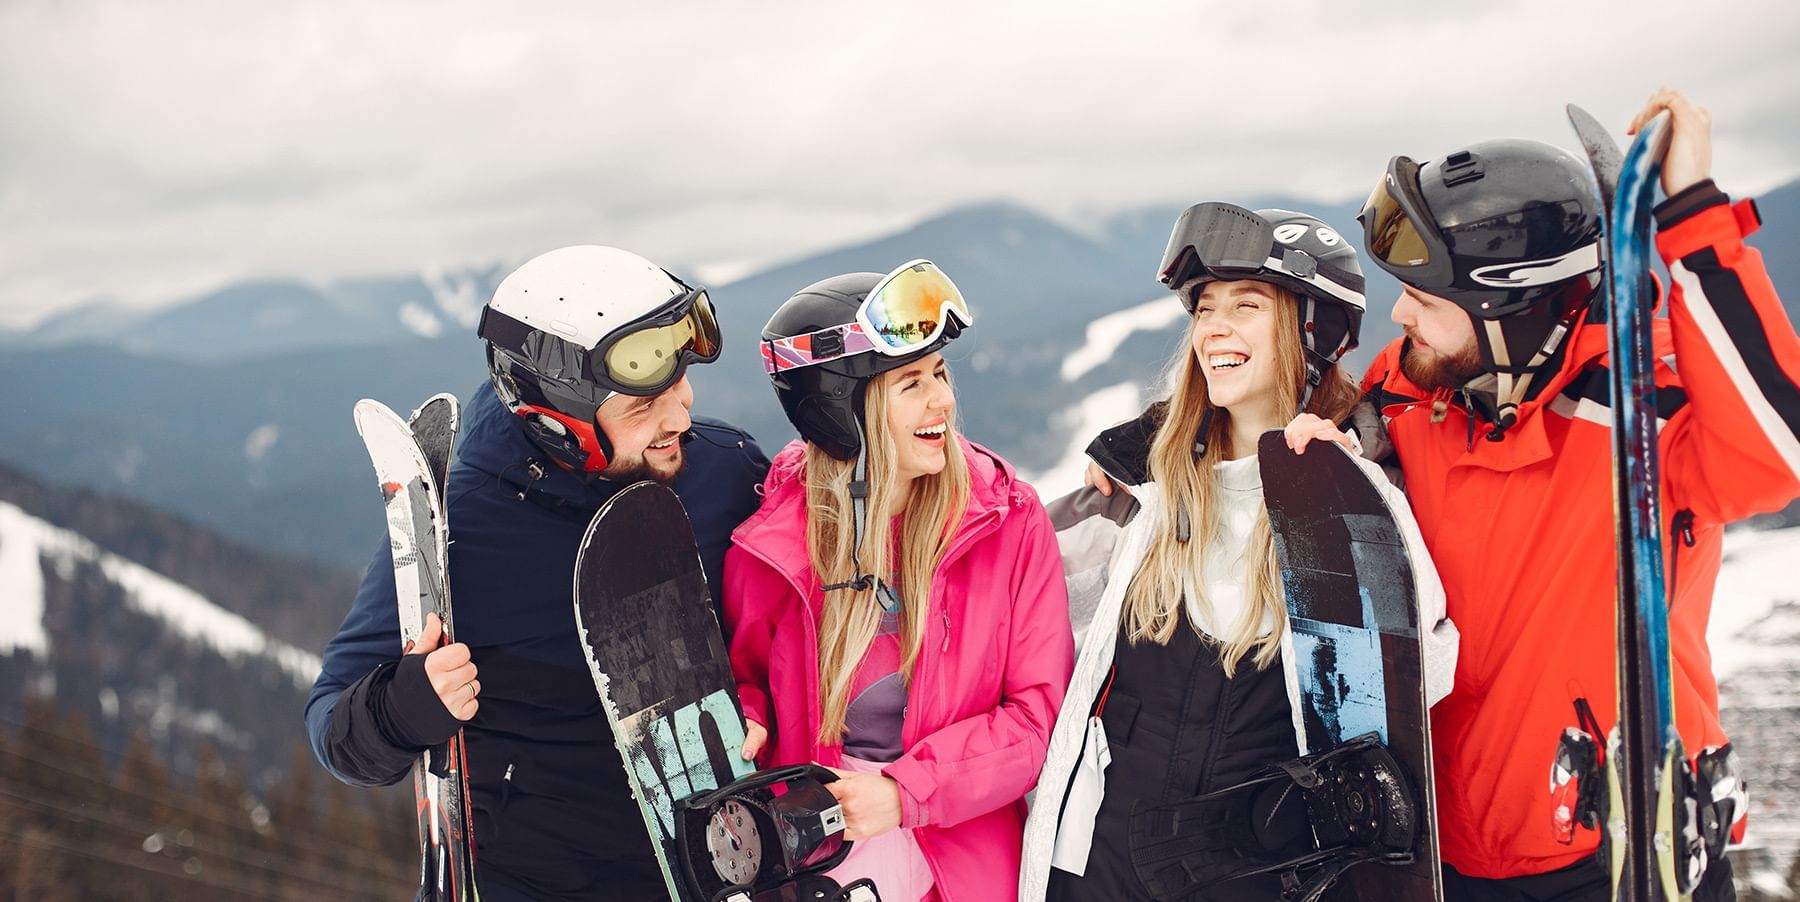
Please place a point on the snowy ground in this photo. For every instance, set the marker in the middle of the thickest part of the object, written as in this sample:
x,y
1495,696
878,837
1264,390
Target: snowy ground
x,y
1758,572
1755,639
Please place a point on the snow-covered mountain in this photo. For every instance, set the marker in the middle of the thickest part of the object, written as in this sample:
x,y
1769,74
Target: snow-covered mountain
x,y
136,620
31,547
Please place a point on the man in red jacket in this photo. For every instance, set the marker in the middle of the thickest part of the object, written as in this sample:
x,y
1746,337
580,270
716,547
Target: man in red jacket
x,y
1496,406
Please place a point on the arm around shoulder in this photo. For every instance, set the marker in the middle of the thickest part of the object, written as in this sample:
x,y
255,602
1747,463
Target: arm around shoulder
x,y
1734,448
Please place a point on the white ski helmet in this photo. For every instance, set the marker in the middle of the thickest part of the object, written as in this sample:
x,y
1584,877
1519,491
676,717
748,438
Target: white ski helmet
x,y
575,326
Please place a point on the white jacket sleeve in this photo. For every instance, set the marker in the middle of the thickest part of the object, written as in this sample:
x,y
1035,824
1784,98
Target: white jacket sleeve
x,y
1088,526
1441,639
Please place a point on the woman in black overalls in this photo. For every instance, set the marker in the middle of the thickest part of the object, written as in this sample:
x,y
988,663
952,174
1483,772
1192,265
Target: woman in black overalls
x,y
1184,690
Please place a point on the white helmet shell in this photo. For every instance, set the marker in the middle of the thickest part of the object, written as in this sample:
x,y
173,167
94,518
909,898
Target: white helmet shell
x,y
583,293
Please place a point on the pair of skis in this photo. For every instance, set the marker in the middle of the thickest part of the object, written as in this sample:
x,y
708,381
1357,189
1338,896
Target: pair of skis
x,y
1655,852
412,462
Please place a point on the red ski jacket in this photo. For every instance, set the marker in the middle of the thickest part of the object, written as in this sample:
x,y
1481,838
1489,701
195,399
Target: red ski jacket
x,y
1522,530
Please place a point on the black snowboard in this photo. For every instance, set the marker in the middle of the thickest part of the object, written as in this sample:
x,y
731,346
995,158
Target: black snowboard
x,y
1357,638
653,644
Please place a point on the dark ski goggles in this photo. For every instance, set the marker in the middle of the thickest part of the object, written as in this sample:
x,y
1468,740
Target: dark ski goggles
x,y
1399,231
1217,239
644,357
907,310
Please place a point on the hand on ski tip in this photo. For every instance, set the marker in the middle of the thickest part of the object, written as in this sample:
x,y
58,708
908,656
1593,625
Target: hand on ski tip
x,y
755,735
451,672
1689,158
871,803
1307,427
1101,482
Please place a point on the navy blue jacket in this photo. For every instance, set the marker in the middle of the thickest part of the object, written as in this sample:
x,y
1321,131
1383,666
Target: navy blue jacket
x,y
554,817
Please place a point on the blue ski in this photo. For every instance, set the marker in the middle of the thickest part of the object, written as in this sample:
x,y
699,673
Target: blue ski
x,y
1649,860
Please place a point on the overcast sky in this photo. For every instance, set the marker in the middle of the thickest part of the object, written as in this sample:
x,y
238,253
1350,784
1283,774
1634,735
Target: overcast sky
x,y
150,151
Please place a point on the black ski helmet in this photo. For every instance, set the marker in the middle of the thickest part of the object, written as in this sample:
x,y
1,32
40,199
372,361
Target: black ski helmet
x,y
1494,228
824,401
1216,241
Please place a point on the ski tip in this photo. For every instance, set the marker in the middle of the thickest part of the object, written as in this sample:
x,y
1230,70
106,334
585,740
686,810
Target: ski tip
x,y
442,397
369,410
1653,138
1583,120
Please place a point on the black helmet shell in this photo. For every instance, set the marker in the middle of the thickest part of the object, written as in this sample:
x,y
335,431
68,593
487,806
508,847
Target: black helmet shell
x,y
824,401
1310,259
1519,220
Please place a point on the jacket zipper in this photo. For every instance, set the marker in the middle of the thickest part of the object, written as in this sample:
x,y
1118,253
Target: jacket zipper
x,y
975,531
1682,528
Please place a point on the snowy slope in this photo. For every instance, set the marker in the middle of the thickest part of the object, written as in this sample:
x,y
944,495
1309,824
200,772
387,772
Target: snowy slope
x,y
1106,334
25,541
1755,639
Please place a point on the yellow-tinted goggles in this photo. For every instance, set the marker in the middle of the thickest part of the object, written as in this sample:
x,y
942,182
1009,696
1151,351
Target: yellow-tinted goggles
x,y
650,358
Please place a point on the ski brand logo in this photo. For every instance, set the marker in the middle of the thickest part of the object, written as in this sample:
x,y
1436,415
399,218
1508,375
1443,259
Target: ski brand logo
x,y
1540,272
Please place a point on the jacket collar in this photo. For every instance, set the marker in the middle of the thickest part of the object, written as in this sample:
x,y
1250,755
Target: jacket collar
x,y
1528,441
493,440
777,531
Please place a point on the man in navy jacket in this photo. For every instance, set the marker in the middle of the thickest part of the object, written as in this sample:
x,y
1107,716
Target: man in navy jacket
x,y
543,446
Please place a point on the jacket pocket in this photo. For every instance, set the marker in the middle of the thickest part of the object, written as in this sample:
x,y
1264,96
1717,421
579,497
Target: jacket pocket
x,y
1119,717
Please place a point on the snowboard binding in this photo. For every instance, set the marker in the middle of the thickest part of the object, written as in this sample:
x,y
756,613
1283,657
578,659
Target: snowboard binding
x,y
1306,821
768,837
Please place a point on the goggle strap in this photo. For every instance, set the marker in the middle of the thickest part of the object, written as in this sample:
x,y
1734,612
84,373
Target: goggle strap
x,y
782,354
503,331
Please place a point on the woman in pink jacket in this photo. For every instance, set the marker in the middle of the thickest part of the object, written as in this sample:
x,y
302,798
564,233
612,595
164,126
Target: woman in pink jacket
x,y
896,608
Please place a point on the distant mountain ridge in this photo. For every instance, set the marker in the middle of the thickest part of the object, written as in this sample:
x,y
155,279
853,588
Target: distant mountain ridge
x,y
265,316
234,408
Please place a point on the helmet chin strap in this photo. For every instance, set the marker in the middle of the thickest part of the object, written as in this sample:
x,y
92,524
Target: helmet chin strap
x,y
859,504
1515,382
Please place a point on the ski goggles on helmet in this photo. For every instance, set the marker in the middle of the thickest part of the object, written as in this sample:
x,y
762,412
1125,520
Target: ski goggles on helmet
x,y
908,310
1399,231
1225,242
643,357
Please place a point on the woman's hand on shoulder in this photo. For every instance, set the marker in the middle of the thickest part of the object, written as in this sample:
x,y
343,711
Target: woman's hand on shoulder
x,y
1307,427
1099,481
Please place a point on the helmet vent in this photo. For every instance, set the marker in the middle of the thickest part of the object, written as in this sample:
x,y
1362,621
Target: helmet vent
x,y
1462,166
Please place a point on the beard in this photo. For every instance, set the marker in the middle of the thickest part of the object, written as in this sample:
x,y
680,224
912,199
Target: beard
x,y
1431,369
639,467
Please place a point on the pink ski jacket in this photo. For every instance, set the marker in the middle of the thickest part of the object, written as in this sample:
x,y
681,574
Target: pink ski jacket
x,y
996,659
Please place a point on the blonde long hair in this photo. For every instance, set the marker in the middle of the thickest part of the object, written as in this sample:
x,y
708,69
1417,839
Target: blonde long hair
x,y
934,506
1173,568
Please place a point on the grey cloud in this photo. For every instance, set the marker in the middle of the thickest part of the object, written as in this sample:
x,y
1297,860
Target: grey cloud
x,y
146,152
